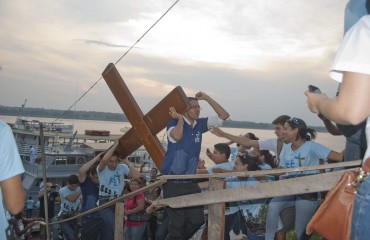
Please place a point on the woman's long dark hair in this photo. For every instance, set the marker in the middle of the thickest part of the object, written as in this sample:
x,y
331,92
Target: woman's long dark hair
x,y
269,159
252,162
304,132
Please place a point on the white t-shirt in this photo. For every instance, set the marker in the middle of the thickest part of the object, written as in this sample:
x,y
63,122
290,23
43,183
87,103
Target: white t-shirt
x,y
353,55
10,166
111,183
268,144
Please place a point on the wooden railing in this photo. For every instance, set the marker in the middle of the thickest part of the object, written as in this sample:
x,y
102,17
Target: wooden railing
x,y
216,197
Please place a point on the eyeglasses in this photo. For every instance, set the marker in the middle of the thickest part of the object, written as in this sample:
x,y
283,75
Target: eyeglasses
x,y
195,107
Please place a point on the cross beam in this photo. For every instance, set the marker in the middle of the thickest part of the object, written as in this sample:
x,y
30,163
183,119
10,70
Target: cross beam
x,y
144,128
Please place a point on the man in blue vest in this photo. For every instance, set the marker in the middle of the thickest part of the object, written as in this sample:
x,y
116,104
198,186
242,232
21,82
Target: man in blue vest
x,y
184,133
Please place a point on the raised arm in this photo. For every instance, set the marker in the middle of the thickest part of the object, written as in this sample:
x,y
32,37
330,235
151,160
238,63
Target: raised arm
x,y
332,129
107,156
86,167
133,171
351,106
238,139
176,132
221,112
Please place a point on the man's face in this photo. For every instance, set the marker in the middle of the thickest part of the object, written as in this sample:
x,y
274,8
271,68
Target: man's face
x,y
218,157
113,162
153,172
72,187
290,134
279,131
193,112
94,178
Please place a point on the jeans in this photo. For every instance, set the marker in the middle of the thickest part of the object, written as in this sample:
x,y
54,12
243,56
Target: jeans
x,y
152,227
91,228
361,216
108,216
162,231
229,222
134,233
54,230
305,209
69,229
183,222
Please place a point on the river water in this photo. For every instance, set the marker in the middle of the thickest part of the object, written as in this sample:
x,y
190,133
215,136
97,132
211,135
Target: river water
x,y
333,142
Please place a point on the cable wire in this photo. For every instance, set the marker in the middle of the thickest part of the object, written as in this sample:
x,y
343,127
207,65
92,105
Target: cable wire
x,y
83,95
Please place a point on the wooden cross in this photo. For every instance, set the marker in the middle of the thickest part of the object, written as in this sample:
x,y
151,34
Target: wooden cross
x,y
144,128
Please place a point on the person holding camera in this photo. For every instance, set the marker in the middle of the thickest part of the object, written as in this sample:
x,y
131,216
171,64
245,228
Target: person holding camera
x,y
52,191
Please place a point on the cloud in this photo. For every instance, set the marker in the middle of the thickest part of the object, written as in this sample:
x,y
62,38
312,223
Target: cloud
x,y
255,57
101,43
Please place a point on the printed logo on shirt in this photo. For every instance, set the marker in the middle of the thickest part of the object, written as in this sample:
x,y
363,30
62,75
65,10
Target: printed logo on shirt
x,y
197,137
113,182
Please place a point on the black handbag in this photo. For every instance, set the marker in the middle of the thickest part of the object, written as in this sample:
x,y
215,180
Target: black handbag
x,y
139,217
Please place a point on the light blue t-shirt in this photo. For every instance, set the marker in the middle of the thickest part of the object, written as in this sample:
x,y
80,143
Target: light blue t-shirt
x,y
10,166
309,154
29,203
67,206
226,166
111,183
249,207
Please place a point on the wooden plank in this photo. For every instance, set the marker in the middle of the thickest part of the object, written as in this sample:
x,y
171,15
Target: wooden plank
x,y
119,214
264,172
300,185
216,212
144,128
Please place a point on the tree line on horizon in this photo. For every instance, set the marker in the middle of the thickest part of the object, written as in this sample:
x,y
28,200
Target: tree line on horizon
x,y
113,117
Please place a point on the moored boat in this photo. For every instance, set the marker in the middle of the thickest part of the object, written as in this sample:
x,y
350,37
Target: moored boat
x,y
65,151
97,132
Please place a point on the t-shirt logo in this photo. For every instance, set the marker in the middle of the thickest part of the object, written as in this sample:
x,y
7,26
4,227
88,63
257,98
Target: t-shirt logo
x,y
197,137
112,180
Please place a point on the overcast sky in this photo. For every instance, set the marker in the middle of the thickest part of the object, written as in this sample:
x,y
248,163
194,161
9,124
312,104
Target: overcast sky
x,y
255,57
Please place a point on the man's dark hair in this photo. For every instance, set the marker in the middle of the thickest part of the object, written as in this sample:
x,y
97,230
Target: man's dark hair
x,y
368,6
73,179
116,153
281,120
223,148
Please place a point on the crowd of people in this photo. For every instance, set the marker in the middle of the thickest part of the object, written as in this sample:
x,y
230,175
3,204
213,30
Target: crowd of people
x,y
110,175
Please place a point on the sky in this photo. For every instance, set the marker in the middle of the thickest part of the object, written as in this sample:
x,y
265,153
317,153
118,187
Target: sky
x,y
254,57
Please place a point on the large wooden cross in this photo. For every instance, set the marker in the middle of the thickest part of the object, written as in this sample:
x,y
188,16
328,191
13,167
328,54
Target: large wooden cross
x,y
144,128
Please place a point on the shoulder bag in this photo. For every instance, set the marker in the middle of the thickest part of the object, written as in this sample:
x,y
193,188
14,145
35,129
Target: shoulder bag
x,y
333,218
138,217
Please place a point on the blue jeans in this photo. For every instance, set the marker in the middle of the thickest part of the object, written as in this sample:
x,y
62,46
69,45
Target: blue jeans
x,y
108,216
134,233
69,229
305,209
361,217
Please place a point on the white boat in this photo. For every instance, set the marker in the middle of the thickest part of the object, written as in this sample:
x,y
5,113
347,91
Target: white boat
x,y
65,151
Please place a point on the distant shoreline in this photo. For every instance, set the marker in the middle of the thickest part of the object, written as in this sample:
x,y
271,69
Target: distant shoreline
x,y
114,117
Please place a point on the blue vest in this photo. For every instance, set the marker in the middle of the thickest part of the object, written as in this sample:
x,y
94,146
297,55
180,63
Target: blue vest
x,y
182,157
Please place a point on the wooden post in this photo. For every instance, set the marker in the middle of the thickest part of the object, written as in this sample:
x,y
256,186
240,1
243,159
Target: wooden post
x,y
216,212
119,215
46,203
